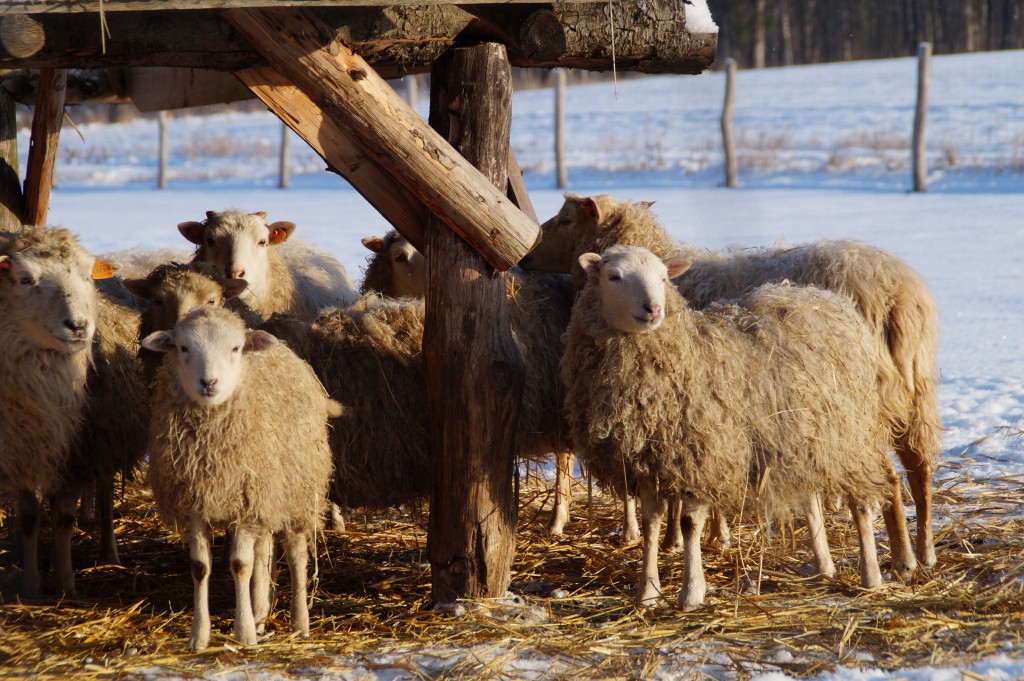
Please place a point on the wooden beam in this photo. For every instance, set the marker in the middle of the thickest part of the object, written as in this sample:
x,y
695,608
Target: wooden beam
x,y
474,372
650,37
12,201
42,147
331,141
388,132
517,190
96,6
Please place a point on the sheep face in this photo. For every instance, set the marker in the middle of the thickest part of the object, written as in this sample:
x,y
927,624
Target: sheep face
x,y
576,222
172,295
208,345
631,285
52,297
408,267
238,243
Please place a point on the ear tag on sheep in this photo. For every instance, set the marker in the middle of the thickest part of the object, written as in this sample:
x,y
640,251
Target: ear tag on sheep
x,y
101,269
5,265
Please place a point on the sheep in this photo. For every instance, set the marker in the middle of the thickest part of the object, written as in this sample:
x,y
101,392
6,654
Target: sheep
x,y
540,305
762,404
49,318
396,269
301,282
890,296
238,438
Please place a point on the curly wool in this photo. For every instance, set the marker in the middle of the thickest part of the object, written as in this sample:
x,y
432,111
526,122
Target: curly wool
x,y
753,405
42,392
260,460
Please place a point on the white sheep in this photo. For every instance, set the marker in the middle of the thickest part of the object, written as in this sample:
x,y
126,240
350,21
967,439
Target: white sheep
x,y
759,405
46,330
396,269
238,439
890,296
301,282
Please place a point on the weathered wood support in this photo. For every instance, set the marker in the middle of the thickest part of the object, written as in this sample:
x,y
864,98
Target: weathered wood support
x,y
474,371
388,132
650,37
12,202
42,148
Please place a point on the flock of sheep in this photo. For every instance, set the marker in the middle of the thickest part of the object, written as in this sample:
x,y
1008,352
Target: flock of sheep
x,y
266,393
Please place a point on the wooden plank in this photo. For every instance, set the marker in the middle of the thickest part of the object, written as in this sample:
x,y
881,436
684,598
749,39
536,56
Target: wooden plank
x,y
395,40
12,202
42,147
96,6
517,190
330,140
388,132
474,373
162,88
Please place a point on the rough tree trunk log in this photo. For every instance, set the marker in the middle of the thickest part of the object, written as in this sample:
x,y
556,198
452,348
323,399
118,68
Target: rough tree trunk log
x,y
42,148
474,371
12,202
650,37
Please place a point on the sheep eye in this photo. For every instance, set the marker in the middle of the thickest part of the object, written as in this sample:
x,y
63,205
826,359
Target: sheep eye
x,y
614,277
211,301
263,242
400,258
209,242
25,281
183,349
236,349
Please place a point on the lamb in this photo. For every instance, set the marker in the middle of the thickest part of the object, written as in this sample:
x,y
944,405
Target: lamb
x,y
761,404
540,305
238,439
244,246
49,318
890,296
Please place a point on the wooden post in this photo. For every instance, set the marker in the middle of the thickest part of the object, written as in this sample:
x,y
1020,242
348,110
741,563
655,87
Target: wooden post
x,y
474,371
517,189
728,140
12,202
924,72
286,144
412,90
161,176
42,148
562,173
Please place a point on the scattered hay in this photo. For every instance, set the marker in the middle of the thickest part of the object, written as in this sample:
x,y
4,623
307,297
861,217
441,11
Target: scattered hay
x,y
370,608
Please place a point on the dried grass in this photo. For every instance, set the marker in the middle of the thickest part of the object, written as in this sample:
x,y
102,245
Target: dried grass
x,y
372,595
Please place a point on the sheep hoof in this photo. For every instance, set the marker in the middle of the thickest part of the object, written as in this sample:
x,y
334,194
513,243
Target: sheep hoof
x,y
197,645
687,606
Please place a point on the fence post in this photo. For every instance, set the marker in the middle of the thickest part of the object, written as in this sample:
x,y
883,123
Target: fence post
x,y
412,90
286,143
924,72
728,140
562,179
161,178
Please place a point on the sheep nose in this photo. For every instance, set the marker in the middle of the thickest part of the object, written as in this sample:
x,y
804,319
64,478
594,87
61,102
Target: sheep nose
x,y
653,308
76,325
207,382
238,274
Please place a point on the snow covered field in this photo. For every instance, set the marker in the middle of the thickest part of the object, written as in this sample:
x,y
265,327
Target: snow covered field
x,y
826,151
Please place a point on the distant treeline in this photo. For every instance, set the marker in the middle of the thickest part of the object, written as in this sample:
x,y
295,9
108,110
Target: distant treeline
x,y
781,32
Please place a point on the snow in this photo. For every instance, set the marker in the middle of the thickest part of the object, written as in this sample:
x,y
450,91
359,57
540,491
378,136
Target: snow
x,y
698,17
824,154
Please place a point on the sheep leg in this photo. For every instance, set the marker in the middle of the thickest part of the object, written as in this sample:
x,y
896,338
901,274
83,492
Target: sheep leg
x,y
64,509
695,587
870,574
823,564
336,521
243,550
87,506
630,528
105,510
28,516
653,510
563,494
920,481
720,532
202,559
673,530
298,559
903,561
262,558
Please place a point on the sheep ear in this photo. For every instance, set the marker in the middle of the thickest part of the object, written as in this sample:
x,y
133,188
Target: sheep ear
x,y
597,207
193,231
280,231
591,264
676,265
159,341
258,341
374,243
5,264
101,269
233,288
140,288
646,204
211,214
261,214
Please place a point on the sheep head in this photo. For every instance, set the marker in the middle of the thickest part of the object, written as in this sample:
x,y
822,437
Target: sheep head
x,y
172,290
239,244
408,268
631,283
46,287
209,345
